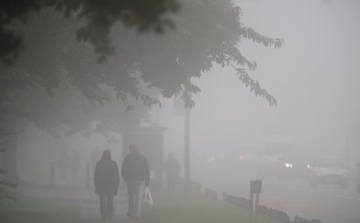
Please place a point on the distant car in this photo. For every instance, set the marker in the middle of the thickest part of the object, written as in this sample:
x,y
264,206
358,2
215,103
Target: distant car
x,y
330,170
296,165
358,178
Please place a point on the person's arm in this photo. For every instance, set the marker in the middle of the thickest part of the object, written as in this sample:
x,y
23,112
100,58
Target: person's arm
x,y
147,173
124,171
96,175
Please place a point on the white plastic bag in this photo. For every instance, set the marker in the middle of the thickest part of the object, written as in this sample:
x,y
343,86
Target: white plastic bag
x,y
147,198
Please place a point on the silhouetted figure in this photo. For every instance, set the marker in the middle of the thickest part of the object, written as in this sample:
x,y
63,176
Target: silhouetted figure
x,y
95,157
106,181
63,163
136,173
75,163
172,170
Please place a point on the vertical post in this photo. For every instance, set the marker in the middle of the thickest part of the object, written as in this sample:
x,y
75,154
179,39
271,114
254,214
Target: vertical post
x,y
187,151
52,173
256,207
87,175
251,201
257,191
346,153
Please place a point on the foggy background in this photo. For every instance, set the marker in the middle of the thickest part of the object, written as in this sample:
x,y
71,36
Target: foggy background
x,y
314,77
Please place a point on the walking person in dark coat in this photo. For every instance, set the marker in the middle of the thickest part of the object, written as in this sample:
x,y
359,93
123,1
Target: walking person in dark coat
x,y
106,180
172,170
136,173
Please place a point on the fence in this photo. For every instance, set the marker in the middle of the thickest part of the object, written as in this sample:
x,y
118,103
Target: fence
x,y
238,201
303,220
274,213
271,212
246,204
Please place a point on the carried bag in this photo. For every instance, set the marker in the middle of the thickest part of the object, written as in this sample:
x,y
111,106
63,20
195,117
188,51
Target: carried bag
x,y
147,198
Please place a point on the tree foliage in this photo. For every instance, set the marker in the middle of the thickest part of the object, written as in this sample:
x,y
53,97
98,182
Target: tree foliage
x,y
62,85
205,32
64,64
144,15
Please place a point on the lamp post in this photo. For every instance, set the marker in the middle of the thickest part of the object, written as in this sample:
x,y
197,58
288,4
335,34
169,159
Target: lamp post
x,y
187,151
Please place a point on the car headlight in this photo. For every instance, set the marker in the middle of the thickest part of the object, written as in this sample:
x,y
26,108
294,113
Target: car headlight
x,y
287,165
308,166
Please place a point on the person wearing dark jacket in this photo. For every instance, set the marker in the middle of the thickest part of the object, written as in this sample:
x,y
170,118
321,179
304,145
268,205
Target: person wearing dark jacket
x,y
106,180
172,169
136,173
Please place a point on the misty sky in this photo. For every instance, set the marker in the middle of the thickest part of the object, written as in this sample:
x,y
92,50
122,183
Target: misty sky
x,y
314,77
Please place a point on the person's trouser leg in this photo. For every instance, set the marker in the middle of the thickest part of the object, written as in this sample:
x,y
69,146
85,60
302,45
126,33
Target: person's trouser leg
x,y
131,192
139,187
103,205
110,206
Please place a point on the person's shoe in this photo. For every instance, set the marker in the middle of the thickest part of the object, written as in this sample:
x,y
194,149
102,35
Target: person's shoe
x,y
137,218
129,215
110,216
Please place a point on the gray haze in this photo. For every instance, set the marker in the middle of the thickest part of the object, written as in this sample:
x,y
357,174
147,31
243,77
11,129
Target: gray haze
x,y
315,79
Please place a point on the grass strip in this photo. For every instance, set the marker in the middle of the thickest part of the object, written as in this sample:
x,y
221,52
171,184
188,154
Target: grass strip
x,y
176,207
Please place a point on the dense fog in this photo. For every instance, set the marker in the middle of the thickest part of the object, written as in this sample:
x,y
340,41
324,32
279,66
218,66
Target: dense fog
x,y
314,77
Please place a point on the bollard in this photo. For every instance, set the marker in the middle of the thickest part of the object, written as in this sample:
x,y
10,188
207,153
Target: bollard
x,y
87,175
251,202
52,173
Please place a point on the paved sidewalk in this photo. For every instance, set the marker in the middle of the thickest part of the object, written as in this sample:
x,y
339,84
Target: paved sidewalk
x,y
89,202
90,212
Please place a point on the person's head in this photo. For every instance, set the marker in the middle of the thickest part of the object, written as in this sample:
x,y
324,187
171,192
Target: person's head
x,y
170,156
133,148
106,155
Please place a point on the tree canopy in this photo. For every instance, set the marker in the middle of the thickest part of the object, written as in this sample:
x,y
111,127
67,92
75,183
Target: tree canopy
x,y
203,33
66,63
144,15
